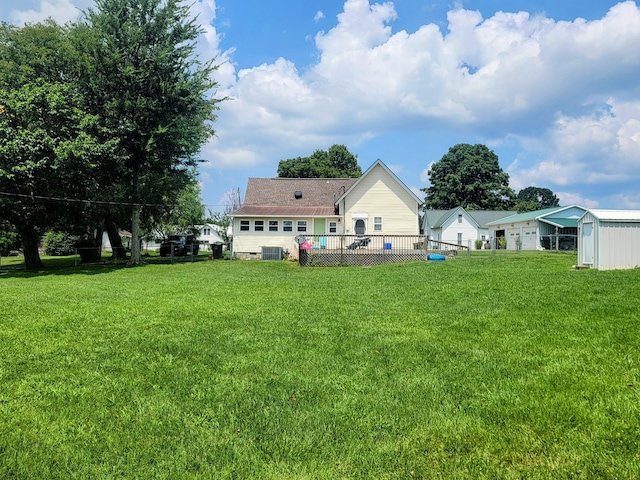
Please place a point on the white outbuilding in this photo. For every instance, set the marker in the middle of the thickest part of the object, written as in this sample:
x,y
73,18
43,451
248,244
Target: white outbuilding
x,y
609,239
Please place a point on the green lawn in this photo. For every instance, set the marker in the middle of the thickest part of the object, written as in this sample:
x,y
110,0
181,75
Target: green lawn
x,y
505,366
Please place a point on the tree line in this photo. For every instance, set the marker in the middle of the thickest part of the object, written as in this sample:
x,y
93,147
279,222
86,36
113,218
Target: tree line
x,y
101,121
467,175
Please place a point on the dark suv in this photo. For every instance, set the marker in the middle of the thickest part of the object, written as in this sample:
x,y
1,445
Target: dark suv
x,y
179,245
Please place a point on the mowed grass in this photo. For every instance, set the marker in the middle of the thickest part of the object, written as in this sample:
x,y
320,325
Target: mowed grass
x,y
506,366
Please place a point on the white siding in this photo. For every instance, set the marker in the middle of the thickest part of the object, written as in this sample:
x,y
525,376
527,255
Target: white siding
x,y
252,241
379,195
619,245
466,228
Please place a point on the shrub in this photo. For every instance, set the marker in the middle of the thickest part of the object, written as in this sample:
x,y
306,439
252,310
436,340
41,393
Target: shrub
x,y
9,241
59,243
478,244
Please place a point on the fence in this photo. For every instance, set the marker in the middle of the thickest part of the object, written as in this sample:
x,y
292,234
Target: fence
x,y
352,250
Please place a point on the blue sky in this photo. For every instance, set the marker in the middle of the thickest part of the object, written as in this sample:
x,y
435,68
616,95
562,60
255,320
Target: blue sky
x,y
553,88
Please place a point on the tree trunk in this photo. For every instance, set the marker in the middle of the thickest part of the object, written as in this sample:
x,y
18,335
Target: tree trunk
x,y
117,249
136,257
30,245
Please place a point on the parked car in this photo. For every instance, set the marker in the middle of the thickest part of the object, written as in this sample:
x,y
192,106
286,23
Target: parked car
x,y
179,245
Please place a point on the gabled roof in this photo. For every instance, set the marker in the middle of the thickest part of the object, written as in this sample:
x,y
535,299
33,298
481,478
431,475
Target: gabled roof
x,y
277,196
484,217
526,216
552,215
391,174
437,218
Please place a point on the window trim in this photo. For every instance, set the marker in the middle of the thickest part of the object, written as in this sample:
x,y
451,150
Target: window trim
x,y
300,227
377,224
273,225
287,225
245,225
255,226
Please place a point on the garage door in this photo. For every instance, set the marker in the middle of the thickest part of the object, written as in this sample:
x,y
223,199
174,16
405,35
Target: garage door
x,y
529,240
512,234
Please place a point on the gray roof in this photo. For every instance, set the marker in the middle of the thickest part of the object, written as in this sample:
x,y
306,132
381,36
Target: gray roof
x,y
436,218
277,196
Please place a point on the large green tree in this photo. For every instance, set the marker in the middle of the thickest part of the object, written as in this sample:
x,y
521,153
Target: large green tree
x,y
152,93
468,176
535,198
49,144
337,162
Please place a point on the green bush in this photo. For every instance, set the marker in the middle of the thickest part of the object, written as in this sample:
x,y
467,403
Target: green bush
x,y
9,241
59,243
478,244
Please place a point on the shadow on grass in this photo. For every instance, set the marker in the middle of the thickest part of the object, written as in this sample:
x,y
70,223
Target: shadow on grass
x,y
13,267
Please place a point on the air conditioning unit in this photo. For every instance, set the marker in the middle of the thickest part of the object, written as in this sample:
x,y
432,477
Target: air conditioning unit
x,y
271,253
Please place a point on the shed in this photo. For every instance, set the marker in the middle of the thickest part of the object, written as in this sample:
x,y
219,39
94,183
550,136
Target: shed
x,y
609,239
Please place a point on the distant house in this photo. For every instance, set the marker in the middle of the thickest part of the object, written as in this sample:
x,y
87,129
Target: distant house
x,y
553,228
209,235
459,226
276,210
609,239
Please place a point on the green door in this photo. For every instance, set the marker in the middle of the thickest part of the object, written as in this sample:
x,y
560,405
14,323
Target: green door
x,y
319,226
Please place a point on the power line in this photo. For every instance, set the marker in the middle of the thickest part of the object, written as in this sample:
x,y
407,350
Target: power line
x,y
76,200
99,202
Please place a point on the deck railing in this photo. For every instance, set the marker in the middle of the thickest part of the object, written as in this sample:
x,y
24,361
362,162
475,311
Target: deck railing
x,y
365,250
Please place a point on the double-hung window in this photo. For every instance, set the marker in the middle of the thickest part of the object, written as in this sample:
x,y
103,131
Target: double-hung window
x,y
377,224
244,225
333,227
287,225
302,225
258,226
273,225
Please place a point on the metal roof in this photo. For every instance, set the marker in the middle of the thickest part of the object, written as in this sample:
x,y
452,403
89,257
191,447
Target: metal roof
x,y
616,215
526,216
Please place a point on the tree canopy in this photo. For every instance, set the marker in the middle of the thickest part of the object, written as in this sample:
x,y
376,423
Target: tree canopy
x,y
150,91
337,162
50,145
469,176
535,198
101,121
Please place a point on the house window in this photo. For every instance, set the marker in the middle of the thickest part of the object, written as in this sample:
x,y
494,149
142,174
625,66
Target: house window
x,y
459,218
258,226
302,225
206,231
287,225
273,225
333,227
244,225
459,239
377,223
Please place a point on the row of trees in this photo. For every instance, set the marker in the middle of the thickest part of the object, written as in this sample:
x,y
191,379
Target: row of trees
x,y
470,176
101,121
467,175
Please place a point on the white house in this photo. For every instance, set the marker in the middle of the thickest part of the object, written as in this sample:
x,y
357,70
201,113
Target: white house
x,y
276,210
209,235
459,226
551,228
609,239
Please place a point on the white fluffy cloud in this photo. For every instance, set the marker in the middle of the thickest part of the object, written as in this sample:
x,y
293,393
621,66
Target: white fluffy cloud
x,y
512,75
62,11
